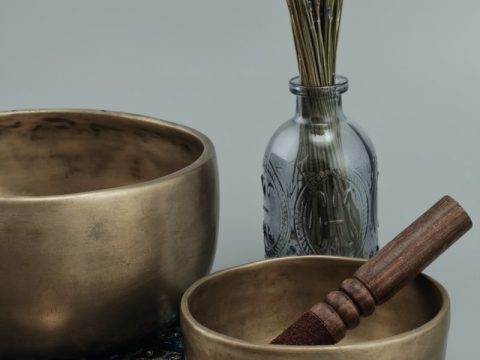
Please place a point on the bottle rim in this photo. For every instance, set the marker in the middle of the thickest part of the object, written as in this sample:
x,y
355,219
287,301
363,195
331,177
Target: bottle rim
x,y
340,87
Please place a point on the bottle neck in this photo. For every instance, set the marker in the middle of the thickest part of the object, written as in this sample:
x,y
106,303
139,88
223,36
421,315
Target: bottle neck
x,y
325,108
319,104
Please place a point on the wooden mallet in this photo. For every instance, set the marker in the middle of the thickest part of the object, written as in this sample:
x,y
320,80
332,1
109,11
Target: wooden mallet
x,y
375,282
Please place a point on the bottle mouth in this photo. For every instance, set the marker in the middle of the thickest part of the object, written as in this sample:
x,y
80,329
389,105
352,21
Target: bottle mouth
x,y
296,87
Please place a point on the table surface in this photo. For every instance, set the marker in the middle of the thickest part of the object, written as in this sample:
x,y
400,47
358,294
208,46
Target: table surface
x,y
165,345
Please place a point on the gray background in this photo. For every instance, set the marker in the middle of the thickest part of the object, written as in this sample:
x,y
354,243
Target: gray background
x,y
223,66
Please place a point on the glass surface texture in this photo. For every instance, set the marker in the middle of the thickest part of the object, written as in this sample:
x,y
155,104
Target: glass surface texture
x,y
320,180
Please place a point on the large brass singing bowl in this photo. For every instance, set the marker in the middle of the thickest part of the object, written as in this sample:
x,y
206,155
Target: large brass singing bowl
x,y
105,219
234,314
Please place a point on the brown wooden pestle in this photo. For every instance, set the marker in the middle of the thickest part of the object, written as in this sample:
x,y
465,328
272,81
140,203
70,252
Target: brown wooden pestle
x,y
375,282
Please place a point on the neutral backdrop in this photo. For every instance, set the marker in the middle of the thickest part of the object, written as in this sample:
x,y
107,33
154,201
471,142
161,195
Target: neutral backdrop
x,y
222,67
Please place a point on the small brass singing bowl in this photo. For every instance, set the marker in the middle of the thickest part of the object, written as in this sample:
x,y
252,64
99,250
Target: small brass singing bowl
x,y
105,219
235,313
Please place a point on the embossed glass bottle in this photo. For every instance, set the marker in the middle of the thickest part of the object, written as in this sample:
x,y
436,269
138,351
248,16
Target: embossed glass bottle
x,y
320,180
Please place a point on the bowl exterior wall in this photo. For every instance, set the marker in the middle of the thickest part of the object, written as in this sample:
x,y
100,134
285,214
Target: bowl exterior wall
x,y
91,271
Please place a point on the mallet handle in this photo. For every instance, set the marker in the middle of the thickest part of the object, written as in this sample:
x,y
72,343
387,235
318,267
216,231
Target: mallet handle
x,y
399,262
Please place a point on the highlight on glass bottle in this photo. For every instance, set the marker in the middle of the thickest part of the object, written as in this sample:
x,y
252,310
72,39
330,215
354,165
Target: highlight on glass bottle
x,y
320,180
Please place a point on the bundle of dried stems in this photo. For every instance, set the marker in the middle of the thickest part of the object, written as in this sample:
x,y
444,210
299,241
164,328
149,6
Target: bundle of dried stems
x,y
316,27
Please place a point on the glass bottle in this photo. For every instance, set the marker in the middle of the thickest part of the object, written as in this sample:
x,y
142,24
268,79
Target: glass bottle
x,y
320,180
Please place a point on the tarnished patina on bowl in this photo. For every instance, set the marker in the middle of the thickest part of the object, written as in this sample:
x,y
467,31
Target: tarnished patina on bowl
x,y
105,219
235,313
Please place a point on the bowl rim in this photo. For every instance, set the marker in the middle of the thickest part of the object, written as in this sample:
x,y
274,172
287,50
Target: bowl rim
x,y
186,315
207,154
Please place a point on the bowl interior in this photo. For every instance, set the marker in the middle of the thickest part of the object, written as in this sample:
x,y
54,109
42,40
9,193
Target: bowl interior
x,y
254,303
62,152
